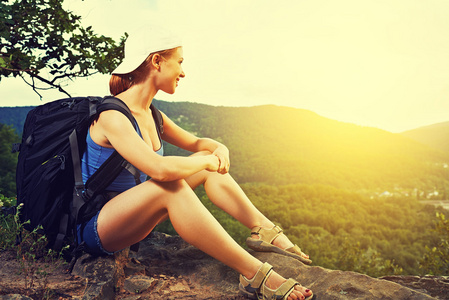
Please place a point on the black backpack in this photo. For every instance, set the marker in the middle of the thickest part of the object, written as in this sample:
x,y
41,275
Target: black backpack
x,y
50,190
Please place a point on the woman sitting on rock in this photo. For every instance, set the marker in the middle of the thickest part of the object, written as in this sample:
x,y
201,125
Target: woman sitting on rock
x,y
152,62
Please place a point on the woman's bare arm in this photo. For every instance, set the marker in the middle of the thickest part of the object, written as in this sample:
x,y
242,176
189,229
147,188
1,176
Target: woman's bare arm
x,y
114,128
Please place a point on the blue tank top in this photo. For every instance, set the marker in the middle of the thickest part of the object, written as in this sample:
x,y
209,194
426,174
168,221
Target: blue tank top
x,y
95,155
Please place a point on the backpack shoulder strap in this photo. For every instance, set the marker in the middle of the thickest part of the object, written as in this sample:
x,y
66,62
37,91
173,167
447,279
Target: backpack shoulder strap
x,y
110,102
157,116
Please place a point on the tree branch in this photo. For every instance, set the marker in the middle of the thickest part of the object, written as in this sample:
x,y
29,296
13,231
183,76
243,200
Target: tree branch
x,y
18,70
35,88
70,75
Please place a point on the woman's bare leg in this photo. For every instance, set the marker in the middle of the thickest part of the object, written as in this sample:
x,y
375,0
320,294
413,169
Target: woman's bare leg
x,y
129,217
226,194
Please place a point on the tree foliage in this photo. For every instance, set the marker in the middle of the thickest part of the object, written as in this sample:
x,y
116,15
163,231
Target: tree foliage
x,y
8,161
46,45
436,259
345,230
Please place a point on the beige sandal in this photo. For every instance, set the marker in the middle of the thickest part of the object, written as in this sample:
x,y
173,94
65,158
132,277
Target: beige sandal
x,y
256,288
264,243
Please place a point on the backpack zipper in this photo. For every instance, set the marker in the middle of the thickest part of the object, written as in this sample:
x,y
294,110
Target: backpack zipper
x,y
61,159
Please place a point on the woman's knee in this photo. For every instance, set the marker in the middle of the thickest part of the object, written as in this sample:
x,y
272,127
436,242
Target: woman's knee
x,y
175,186
198,179
179,195
177,191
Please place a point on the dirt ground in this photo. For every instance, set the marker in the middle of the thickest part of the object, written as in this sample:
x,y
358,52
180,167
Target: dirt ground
x,y
37,280
41,280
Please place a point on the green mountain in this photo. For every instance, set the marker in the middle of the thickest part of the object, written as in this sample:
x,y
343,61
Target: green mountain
x,y
282,145
435,136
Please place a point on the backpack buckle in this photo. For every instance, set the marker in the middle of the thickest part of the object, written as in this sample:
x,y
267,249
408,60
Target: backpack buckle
x,y
16,147
79,189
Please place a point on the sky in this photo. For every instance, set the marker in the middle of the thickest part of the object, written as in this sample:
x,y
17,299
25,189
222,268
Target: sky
x,y
376,63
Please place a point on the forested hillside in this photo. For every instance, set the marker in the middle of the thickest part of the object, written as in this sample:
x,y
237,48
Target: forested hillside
x,y
436,136
348,195
281,145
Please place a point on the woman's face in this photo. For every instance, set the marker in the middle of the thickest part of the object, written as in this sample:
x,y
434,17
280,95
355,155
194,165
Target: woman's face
x,y
171,71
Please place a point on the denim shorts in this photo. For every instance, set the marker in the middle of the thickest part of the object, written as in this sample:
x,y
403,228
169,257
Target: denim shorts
x,y
90,237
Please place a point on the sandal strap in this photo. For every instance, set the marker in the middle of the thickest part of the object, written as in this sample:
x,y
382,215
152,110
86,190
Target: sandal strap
x,y
295,249
282,292
286,288
267,235
253,285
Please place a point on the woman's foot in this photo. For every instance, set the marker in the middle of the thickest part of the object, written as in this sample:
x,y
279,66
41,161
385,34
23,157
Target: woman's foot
x,y
282,242
275,280
270,237
267,284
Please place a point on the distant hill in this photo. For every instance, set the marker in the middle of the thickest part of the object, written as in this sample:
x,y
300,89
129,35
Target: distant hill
x,y
14,116
281,145
436,136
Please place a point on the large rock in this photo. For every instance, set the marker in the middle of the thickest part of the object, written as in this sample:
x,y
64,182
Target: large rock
x,y
173,255
103,274
100,273
166,267
436,286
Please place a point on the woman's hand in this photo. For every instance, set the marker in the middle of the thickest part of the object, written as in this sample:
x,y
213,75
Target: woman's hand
x,y
177,136
214,163
222,153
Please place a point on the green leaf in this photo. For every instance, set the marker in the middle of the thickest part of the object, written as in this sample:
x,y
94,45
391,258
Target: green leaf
x,y
38,34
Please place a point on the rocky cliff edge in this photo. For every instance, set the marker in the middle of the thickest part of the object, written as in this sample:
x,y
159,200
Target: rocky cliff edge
x,y
166,267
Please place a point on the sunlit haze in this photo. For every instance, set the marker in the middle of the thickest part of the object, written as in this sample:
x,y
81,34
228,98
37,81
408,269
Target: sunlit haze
x,y
379,63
